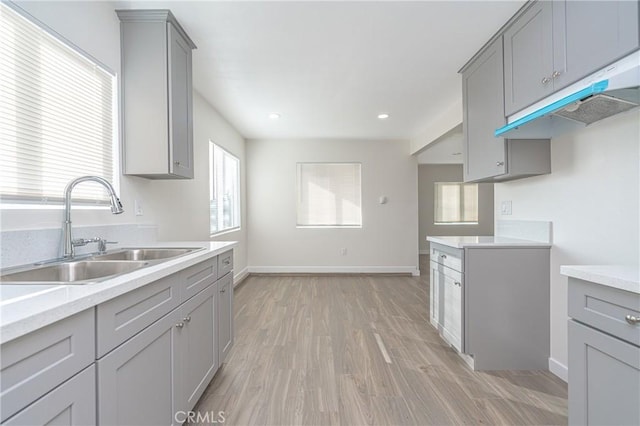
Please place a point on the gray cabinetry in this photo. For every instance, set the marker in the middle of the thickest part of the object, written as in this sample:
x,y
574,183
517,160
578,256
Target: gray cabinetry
x,y
486,157
198,341
555,43
495,309
73,403
156,95
137,380
604,355
225,316
36,363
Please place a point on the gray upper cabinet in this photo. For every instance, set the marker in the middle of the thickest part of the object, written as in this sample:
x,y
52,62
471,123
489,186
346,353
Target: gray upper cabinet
x,y
595,34
555,43
486,157
156,93
483,112
528,58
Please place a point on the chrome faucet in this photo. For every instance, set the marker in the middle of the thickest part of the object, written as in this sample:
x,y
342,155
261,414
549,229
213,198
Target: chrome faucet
x,y
116,208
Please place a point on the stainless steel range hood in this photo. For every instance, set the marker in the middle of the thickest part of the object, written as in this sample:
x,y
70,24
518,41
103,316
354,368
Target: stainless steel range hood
x,y
612,90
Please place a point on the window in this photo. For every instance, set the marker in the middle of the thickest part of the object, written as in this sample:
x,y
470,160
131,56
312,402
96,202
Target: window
x,y
57,116
224,190
329,195
456,203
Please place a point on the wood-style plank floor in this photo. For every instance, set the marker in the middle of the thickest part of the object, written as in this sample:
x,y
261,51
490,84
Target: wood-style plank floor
x,y
359,350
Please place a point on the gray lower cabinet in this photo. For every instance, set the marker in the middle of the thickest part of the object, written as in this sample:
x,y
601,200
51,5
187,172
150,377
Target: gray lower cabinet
x,y
556,43
604,355
137,381
495,309
486,157
156,88
73,403
225,316
36,363
198,339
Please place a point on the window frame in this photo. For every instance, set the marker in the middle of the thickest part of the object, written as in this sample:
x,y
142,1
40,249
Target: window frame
x,y
212,147
461,185
298,195
16,203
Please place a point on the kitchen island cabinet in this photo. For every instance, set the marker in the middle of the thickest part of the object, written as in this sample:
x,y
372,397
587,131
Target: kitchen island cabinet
x,y
495,310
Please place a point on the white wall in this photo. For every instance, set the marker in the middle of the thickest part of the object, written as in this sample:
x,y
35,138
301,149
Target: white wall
x,y
591,196
179,208
388,239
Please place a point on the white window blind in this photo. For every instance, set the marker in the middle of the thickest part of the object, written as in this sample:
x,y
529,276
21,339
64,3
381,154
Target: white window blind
x,y
329,195
57,115
456,203
224,190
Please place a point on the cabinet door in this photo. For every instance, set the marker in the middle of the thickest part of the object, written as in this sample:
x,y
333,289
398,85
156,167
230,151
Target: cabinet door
x,y
225,316
198,342
435,283
180,105
483,112
528,58
453,309
589,35
136,381
604,378
73,403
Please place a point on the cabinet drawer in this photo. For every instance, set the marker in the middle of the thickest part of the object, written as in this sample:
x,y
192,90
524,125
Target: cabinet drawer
x,y
198,277
447,256
34,364
72,403
123,317
605,308
225,263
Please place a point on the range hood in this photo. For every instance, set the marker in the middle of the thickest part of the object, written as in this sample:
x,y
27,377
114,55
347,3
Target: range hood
x,y
612,90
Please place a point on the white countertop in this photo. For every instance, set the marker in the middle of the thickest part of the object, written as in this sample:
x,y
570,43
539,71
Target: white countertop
x,y
488,241
25,308
623,277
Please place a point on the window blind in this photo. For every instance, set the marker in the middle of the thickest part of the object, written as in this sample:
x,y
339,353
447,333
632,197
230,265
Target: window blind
x,y
455,202
57,115
224,190
329,194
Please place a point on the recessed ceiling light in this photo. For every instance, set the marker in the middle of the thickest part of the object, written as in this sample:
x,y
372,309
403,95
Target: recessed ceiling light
x,y
383,116
274,116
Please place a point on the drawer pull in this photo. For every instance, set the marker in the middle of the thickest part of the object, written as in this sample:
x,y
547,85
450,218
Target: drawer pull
x,y
458,284
226,262
186,319
632,320
444,256
180,325
223,290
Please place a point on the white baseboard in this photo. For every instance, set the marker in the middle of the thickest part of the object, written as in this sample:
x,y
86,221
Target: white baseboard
x,y
334,270
240,276
559,370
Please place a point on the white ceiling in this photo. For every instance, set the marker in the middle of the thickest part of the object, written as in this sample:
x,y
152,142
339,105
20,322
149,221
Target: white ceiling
x,y
447,149
330,67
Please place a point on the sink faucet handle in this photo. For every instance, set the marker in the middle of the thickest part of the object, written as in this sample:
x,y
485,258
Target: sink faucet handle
x,y
102,244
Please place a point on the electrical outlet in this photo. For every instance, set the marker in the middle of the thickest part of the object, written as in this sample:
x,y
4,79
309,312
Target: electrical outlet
x,y
505,208
137,207
343,251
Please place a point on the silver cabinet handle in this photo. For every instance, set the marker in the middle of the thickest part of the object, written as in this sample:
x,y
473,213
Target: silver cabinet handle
x,y
226,262
223,290
633,320
458,284
499,163
545,80
180,325
556,74
186,319
177,163
444,256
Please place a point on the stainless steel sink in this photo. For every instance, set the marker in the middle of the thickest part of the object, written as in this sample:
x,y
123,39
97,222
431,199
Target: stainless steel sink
x,y
78,272
145,254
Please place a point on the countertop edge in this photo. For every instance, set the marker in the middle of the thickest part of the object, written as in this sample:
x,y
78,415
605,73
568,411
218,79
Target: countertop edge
x,y
622,277
506,243
92,295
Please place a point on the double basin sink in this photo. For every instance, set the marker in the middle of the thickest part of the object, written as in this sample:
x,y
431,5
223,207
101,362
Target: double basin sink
x,y
92,268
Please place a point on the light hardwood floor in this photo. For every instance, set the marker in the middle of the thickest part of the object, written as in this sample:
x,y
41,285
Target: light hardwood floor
x,y
359,350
